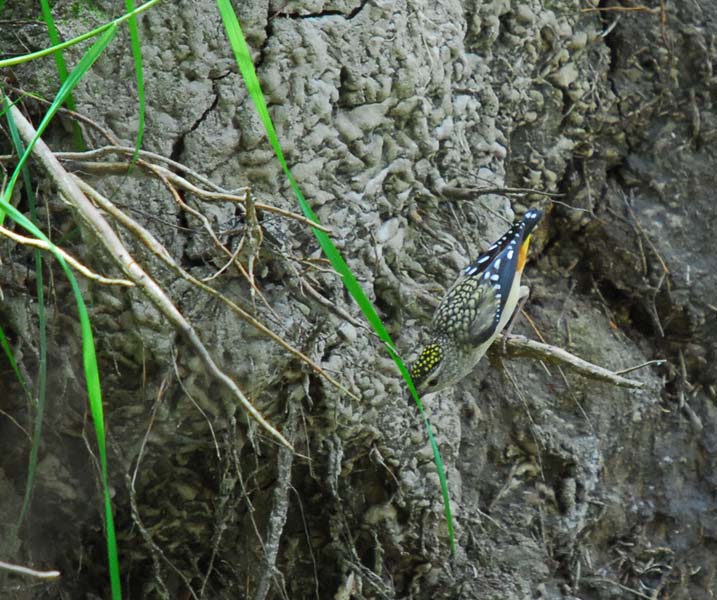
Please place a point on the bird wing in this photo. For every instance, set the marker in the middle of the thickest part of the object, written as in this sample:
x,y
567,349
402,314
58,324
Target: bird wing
x,y
499,277
469,306
472,309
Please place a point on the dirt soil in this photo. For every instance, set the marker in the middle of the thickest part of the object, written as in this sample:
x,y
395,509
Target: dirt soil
x,y
417,131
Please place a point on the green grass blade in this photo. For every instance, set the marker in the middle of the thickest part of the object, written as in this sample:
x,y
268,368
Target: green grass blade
x,y
62,71
138,74
94,391
246,66
16,60
88,347
42,328
72,79
13,363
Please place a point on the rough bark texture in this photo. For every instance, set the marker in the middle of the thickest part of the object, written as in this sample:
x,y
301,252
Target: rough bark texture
x,y
561,487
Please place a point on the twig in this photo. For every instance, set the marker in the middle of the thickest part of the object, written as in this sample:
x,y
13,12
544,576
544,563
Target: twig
x,y
304,287
224,513
30,572
518,345
42,245
155,551
144,236
116,249
657,363
143,154
202,218
647,9
467,193
106,133
121,168
310,546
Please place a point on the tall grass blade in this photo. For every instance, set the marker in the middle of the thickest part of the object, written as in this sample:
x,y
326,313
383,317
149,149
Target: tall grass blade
x,y
246,66
88,347
138,75
5,344
42,329
62,71
16,60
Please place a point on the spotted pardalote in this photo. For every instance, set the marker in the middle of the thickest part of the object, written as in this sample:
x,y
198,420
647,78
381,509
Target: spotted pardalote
x,y
475,309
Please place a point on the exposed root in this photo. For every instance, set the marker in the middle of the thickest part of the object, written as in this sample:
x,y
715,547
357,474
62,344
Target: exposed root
x,y
70,190
519,345
79,267
279,511
144,236
19,570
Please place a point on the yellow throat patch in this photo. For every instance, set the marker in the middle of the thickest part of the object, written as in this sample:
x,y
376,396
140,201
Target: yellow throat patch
x,y
523,256
429,359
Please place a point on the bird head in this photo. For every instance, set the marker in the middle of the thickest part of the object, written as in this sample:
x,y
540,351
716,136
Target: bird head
x,y
434,370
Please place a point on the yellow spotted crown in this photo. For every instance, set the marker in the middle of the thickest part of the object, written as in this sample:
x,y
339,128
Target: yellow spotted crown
x,y
427,362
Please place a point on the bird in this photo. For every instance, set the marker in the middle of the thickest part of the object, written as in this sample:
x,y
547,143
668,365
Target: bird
x,y
475,309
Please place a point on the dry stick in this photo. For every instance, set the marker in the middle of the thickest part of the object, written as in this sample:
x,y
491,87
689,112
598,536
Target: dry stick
x,y
27,571
305,286
105,234
165,175
160,251
106,133
618,585
120,168
171,179
658,362
205,195
640,8
150,156
468,193
35,243
519,345
223,512
202,218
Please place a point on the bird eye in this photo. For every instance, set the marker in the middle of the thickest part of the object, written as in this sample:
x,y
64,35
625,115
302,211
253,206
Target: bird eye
x,y
433,383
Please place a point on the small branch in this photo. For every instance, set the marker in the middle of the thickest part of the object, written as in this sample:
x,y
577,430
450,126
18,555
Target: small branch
x,y
657,363
647,9
143,154
121,168
518,345
468,193
35,243
151,243
117,251
30,572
